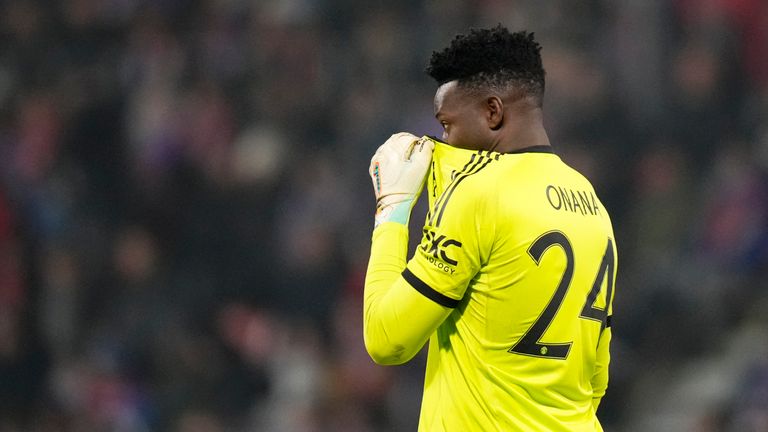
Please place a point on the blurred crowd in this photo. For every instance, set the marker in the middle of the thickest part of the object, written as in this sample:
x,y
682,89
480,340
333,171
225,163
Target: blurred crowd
x,y
185,212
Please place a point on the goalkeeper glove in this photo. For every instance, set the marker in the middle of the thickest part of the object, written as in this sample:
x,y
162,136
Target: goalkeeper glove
x,y
398,170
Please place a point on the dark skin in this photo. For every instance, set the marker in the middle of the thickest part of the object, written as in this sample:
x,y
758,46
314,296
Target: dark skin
x,y
478,120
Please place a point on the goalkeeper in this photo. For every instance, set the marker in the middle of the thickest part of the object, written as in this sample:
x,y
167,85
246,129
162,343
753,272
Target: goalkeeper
x,y
513,281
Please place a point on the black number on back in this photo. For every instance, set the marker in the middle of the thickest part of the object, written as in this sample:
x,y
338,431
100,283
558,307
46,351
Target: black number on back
x,y
530,344
606,269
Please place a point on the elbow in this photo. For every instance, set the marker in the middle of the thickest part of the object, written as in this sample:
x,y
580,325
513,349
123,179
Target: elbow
x,y
385,353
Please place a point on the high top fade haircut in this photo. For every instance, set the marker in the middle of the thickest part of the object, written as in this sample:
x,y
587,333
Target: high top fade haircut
x,y
492,60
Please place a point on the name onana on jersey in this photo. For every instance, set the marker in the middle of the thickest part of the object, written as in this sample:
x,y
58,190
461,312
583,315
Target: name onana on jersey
x,y
565,199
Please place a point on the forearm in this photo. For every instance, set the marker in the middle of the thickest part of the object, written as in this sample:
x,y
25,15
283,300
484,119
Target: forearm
x,y
397,319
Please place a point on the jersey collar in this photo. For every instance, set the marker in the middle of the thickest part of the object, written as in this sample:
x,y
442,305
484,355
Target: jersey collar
x,y
531,149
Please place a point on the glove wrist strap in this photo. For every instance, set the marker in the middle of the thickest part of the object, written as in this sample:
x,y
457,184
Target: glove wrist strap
x,y
399,212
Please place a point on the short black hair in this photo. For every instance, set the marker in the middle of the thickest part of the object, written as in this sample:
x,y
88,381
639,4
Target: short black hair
x,y
491,58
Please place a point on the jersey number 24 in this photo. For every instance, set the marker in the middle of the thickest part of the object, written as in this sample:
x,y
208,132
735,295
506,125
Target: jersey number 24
x,y
530,344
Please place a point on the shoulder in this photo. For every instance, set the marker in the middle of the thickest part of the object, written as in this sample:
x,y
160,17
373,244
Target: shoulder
x,y
471,185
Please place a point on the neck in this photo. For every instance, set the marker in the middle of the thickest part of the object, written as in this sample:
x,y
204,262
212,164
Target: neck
x,y
523,127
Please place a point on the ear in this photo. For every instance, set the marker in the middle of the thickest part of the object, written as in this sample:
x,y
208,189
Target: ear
x,y
494,112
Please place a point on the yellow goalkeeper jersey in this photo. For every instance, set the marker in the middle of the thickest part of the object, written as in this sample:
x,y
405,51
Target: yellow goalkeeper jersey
x,y
521,248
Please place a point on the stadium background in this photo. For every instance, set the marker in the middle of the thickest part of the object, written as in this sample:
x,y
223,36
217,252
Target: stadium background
x,y
185,210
